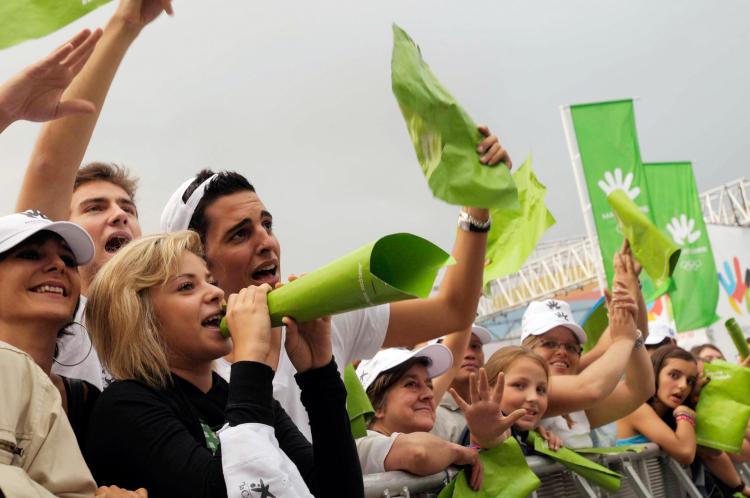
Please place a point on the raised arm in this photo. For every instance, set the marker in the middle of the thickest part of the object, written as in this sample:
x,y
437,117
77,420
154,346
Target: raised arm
x,y
59,150
569,393
35,94
457,342
454,306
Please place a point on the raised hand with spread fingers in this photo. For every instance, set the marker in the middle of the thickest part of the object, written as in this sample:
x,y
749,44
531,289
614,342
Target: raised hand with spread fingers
x,y
489,427
35,93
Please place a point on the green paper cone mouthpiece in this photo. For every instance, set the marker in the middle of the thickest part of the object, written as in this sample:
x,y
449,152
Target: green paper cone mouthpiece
x,y
393,268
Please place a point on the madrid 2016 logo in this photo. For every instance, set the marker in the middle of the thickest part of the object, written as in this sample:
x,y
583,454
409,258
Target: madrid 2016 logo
x,y
736,285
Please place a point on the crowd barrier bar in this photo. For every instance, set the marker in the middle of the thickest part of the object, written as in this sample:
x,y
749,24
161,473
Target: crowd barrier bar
x,y
648,474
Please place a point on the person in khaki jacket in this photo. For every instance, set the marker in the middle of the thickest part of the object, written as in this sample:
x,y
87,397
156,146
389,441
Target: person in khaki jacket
x,y
39,455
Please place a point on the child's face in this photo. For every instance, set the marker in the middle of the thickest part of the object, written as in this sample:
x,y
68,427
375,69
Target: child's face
x,y
525,387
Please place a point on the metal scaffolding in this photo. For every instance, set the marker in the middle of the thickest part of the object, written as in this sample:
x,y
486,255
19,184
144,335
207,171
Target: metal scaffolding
x,y
565,265
728,204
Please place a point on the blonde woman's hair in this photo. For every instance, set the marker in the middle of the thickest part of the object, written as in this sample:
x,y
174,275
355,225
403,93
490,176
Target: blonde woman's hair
x,y
120,315
503,358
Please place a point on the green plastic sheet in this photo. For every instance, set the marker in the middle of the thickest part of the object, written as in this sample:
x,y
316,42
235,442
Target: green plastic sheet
x,y
656,252
593,472
506,475
445,137
22,20
515,232
724,407
393,268
613,450
357,403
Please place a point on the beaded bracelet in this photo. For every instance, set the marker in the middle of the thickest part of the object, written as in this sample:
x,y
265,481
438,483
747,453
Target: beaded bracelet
x,y
686,417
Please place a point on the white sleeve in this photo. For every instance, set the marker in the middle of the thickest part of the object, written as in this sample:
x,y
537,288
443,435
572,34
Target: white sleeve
x,y
16,483
358,335
253,463
372,450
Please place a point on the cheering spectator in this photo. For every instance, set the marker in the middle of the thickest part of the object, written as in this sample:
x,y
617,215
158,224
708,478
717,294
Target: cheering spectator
x,y
242,249
99,197
175,427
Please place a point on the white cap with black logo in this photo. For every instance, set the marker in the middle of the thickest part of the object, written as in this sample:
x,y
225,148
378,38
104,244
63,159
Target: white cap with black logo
x,y
17,227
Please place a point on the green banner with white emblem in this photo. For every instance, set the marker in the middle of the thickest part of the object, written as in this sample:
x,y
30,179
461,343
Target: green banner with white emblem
x,y
676,210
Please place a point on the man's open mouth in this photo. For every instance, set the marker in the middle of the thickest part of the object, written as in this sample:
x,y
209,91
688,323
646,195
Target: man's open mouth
x,y
116,242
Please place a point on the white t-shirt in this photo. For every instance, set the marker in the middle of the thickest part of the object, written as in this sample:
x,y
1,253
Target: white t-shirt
x,y
76,357
372,450
356,335
575,435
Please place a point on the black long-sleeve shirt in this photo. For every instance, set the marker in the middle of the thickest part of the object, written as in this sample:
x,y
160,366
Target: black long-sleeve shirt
x,y
159,439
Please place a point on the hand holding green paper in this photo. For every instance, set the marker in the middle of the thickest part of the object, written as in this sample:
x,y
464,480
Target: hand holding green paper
x,y
445,137
393,268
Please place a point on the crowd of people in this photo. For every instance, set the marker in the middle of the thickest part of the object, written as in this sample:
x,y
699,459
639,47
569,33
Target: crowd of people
x,y
116,380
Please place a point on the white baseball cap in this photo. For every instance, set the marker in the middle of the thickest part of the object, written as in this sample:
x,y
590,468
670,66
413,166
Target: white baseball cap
x,y
440,360
483,334
17,227
177,213
657,332
542,316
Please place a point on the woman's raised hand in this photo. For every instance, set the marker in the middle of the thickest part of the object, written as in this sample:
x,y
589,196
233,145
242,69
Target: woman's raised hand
x,y
115,492
250,322
488,426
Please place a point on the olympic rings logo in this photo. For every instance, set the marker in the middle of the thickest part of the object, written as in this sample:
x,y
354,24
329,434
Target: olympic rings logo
x,y
691,264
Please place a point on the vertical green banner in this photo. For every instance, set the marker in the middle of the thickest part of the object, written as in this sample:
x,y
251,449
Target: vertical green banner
x,y
676,209
22,20
611,159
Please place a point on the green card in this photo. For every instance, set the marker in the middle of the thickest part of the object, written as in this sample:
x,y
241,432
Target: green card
x,y
593,472
22,20
595,323
515,232
724,407
506,475
656,252
445,137
393,268
357,403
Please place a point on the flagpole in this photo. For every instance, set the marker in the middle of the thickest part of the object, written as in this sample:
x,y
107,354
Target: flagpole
x,y
575,162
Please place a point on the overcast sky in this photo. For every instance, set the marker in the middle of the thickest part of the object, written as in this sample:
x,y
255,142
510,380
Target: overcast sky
x,y
296,95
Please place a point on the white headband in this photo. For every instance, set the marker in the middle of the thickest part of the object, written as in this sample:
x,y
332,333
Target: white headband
x,y
176,214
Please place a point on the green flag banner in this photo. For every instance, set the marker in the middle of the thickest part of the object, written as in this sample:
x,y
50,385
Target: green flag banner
x,y
445,137
656,252
515,233
22,20
611,158
595,323
506,475
592,472
724,407
676,209
393,268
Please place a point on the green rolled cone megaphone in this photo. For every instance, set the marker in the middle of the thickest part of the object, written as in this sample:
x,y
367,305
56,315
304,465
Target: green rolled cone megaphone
x,y
393,268
738,338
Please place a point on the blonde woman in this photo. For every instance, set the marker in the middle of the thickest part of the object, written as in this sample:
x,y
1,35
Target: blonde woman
x,y
179,429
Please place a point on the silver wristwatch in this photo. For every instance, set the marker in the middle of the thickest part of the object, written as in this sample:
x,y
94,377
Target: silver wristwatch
x,y
468,223
639,341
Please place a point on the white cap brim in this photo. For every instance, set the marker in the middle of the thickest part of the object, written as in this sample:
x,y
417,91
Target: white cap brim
x,y
74,235
482,333
439,356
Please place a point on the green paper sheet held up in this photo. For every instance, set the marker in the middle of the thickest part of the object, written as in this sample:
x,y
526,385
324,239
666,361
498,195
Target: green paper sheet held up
x,y
506,475
656,252
22,20
593,472
393,268
445,137
724,407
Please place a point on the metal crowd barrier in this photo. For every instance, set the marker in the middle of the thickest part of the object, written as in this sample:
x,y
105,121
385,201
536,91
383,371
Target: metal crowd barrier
x,y
648,474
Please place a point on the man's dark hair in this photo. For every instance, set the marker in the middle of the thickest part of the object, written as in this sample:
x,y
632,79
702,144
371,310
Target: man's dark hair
x,y
225,183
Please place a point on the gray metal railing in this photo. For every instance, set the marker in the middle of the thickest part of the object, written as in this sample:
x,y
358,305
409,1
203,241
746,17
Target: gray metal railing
x,y
648,474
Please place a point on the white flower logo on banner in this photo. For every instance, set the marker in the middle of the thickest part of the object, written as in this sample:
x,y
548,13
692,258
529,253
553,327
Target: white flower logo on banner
x,y
613,182
682,230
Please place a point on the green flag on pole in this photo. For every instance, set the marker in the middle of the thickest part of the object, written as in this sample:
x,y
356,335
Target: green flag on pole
x,y
515,233
22,20
611,160
676,209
